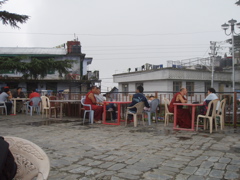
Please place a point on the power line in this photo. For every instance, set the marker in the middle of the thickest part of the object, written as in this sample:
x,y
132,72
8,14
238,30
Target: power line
x,y
105,35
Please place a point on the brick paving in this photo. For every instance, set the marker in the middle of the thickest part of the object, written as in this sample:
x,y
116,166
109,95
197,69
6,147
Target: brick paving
x,y
86,152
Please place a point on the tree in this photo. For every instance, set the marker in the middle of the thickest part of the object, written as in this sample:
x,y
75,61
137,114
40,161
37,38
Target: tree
x,y
238,3
12,19
36,67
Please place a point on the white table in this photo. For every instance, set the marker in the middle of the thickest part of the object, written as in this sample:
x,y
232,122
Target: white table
x,y
61,105
15,102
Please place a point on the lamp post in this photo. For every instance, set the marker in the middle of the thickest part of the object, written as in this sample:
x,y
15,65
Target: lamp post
x,y
225,26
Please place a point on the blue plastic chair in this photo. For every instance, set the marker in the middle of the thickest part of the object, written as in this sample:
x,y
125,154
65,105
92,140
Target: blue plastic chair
x,y
90,111
153,109
35,104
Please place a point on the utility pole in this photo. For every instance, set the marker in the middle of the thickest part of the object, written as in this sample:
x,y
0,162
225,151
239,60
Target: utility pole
x,y
212,54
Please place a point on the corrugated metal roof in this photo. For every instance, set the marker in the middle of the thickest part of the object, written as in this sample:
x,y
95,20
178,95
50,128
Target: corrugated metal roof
x,y
32,51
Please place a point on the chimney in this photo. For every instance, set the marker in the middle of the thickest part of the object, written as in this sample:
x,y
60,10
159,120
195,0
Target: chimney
x,y
73,47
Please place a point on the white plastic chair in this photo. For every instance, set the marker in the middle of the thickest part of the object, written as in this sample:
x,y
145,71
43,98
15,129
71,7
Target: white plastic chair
x,y
153,109
139,106
32,162
35,105
3,105
211,106
90,111
167,113
46,106
221,112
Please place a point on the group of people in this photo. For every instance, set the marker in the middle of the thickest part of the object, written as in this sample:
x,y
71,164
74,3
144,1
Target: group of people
x,y
96,100
183,115
6,97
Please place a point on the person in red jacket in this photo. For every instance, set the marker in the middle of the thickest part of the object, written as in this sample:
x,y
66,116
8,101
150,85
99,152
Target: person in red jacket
x,y
33,94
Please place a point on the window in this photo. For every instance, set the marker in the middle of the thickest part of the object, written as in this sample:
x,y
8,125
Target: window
x,y
177,86
207,86
190,88
125,89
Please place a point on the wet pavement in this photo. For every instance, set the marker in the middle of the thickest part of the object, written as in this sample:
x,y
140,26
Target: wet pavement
x,y
98,151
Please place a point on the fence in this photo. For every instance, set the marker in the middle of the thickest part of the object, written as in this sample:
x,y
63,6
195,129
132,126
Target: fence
x,y
197,97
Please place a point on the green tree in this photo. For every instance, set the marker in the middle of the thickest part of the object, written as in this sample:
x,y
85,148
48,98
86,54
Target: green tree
x,y
36,68
12,19
238,3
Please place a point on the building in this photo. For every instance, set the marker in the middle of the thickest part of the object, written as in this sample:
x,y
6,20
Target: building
x,y
78,80
191,74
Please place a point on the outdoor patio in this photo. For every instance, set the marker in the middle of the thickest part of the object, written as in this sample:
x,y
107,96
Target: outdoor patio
x,y
100,151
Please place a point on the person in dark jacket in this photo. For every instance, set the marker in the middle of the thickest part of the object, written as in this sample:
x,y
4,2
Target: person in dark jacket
x,y
138,97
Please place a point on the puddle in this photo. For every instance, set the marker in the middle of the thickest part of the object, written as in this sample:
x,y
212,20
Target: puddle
x,y
183,138
48,122
155,132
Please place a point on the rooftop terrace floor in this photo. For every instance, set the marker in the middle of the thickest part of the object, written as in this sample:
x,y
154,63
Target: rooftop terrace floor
x,y
100,151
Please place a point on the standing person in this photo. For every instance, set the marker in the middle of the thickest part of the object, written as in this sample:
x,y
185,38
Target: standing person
x,y
183,115
90,99
5,96
109,106
138,97
19,103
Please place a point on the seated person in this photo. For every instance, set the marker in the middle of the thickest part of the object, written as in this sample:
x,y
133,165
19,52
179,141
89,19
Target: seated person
x,y
19,103
183,115
34,94
150,98
211,96
138,97
90,99
109,106
5,96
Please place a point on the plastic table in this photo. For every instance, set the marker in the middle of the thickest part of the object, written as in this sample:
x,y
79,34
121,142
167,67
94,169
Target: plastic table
x,y
193,115
119,103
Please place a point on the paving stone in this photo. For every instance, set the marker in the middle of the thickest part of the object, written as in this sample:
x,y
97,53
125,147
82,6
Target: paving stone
x,y
182,177
219,166
231,175
130,171
235,162
195,163
213,159
216,173
81,169
224,160
202,158
189,170
194,177
207,164
116,167
127,176
157,174
232,167
202,172
106,165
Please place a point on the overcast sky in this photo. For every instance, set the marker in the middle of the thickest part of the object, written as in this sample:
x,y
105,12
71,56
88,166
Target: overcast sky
x,y
122,34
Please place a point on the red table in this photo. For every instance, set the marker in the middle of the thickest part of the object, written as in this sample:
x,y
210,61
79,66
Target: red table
x,y
193,115
118,109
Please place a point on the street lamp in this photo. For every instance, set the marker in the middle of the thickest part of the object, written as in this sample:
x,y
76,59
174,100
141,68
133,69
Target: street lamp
x,y
225,26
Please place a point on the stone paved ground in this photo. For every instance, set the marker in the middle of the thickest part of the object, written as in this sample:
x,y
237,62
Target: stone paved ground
x,y
118,152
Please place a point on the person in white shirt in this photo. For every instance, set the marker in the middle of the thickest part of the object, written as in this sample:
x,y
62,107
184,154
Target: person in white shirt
x,y
5,96
110,106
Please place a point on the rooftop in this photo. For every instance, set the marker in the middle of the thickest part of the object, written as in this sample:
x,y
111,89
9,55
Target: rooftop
x,y
31,51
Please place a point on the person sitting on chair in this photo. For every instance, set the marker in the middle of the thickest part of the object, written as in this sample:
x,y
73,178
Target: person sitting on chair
x,y
90,99
211,96
19,103
5,96
138,97
33,94
183,115
109,106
